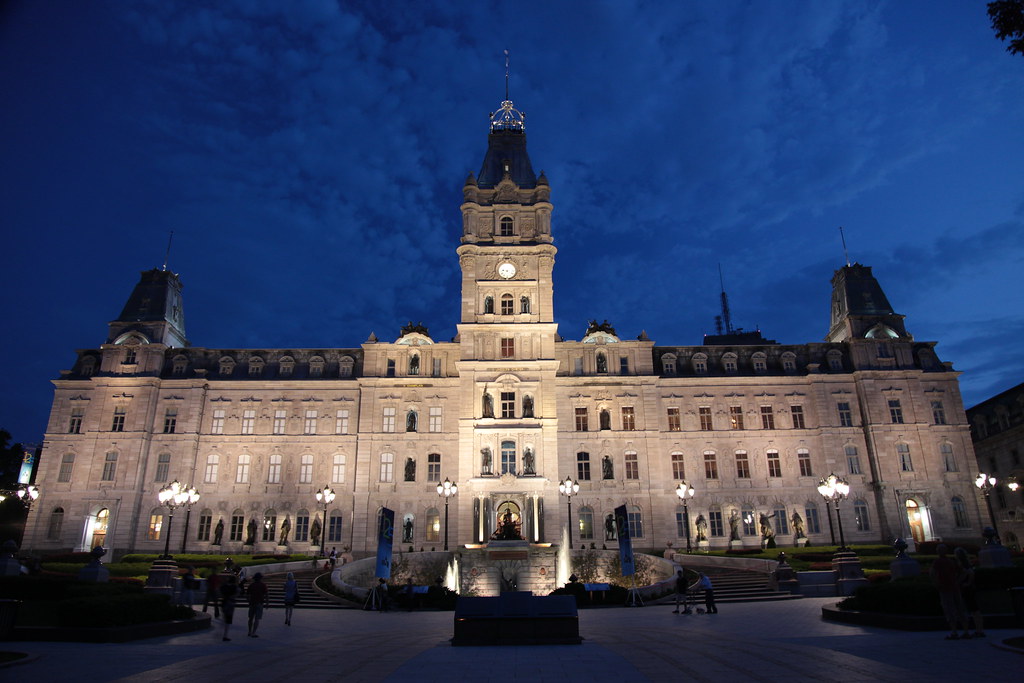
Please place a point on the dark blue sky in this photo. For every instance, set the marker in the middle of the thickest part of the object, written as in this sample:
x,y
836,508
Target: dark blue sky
x,y
309,156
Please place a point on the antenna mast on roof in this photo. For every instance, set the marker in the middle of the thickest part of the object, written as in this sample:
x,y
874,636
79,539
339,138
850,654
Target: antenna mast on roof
x,y
506,75
725,303
167,254
843,238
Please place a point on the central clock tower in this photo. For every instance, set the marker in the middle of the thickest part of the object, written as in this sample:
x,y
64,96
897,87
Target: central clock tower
x,y
507,335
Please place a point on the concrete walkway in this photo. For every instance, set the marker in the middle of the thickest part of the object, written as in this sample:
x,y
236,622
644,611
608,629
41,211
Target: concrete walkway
x,y
778,641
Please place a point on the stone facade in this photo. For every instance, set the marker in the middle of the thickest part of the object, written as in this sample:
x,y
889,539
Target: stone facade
x,y
506,409
997,427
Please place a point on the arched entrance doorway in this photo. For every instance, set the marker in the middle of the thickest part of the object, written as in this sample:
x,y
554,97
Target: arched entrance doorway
x,y
915,518
96,530
508,522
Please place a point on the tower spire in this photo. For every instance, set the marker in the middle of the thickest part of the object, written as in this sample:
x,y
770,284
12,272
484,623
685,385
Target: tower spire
x,y
506,75
846,254
726,317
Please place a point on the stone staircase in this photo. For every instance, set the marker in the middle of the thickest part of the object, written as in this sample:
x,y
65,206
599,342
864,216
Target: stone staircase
x,y
739,585
309,598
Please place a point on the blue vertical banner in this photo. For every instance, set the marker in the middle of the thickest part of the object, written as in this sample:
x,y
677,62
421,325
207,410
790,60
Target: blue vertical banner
x,y
28,460
625,542
385,538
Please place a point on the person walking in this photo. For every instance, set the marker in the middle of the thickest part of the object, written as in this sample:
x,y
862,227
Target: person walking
x,y
946,577
334,557
680,591
228,596
188,585
259,598
213,582
969,592
709,593
291,596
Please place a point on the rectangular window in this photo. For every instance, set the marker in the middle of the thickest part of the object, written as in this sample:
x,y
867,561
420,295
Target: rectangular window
x,y
895,411
302,527
767,418
938,413
338,469
387,467
434,467
577,366
674,422
736,417
678,466
218,422
508,347
334,528
749,522
948,461
636,523
774,464
109,467
170,420
280,421
435,424
67,466
391,367
632,465
210,475
623,365
798,417
705,418
781,521
309,423
508,457
852,460
389,420
248,421
628,419
710,465
341,422
508,404
163,466
813,523
436,367
237,527
274,471
903,451
242,471
75,424
742,465
156,522
586,524
680,524
581,420
269,528
583,466
804,459
860,516
715,526
845,414
205,524
117,424
306,469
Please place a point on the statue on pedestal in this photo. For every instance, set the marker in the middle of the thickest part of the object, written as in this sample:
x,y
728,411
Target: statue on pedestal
x,y
218,532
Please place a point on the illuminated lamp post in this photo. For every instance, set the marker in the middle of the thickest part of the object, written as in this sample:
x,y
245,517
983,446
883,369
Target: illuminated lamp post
x,y
685,492
834,488
193,498
447,489
326,497
569,488
172,496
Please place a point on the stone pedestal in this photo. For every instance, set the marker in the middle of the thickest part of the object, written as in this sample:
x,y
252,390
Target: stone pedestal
x,y
162,575
736,545
785,578
703,546
849,575
801,542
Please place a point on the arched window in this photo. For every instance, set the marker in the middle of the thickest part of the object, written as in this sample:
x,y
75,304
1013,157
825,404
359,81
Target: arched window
x,y
433,525
668,364
156,524
306,468
269,525
524,304
210,474
99,528
960,520
586,523
729,362
242,470
505,226
302,526
256,366
507,304
860,515
700,363
636,521
53,529
274,471
488,304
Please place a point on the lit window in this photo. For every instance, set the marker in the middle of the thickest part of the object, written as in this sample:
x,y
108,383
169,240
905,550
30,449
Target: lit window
x,y
242,470
280,421
163,466
387,467
583,466
338,469
156,522
505,227
581,419
845,414
109,466
435,423
508,457
852,459
705,418
774,464
767,418
306,469
274,471
586,523
248,421
742,465
75,424
309,423
389,419
903,452
678,466
804,459
433,525
170,420
674,421
736,417
628,419
67,466
632,465
798,417
710,465
218,422
117,424
210,474
895,411
938,413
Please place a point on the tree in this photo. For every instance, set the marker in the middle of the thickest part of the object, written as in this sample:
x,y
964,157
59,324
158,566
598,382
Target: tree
x,y
1008,22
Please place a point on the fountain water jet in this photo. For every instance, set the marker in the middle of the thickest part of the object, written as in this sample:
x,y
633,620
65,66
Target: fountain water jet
x,y
563,565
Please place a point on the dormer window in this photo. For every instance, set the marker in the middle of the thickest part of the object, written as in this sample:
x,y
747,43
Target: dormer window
x,y
729,363
345,366
700,364
130,356
256,366
285,366
668,364
789,362
88,366
179,364
835,360
316,366
227,365
760,362
506,224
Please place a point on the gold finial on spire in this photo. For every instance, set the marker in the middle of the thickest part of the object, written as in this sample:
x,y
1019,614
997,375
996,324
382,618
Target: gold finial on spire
x,y
508,117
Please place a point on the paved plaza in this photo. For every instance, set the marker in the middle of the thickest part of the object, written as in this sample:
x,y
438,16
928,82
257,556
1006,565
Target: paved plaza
x,y
780,641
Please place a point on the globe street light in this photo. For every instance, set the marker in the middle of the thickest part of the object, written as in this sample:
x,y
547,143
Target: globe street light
x,y
325,496
569,488
27,495
193,498
835,489
685,492
172,496
987,482
447,489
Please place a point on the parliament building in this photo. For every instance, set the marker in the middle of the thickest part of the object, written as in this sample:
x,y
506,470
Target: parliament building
x,y
507,409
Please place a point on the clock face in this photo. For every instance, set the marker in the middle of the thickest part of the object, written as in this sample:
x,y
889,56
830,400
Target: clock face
x,y
506,270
